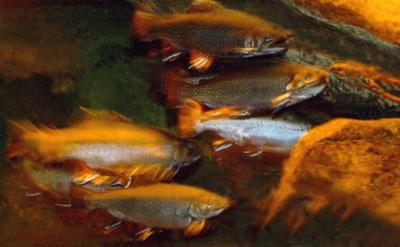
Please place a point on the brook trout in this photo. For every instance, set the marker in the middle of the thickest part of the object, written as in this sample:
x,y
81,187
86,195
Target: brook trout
x,y
259,87
275,135
210,30
110,143
162,206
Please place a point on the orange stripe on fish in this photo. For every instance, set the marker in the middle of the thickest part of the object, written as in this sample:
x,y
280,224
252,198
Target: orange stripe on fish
x,y
172,85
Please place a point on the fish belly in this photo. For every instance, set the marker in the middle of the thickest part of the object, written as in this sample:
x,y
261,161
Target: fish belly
x,y
109,155
151,212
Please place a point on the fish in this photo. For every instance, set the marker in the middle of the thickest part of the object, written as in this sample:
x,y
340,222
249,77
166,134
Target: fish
x,y
108,143
57,178
256,87
159,206
208,31
269,134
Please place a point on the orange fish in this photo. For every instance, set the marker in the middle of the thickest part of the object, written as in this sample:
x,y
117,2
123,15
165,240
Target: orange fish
x,y
209,30
108,143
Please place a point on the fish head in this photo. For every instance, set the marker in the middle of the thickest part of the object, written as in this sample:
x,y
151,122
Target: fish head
x,y
187,152
307,82
209,206
271,44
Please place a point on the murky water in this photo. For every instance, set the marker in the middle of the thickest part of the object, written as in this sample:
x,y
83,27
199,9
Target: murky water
x,y
62,57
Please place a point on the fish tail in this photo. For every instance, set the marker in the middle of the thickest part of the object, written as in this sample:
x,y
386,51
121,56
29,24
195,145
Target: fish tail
x,y
17,147
189,115
172,87
141,24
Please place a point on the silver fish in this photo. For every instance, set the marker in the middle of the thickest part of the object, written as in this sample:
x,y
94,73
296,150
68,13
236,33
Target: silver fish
x,y
277,135
162,206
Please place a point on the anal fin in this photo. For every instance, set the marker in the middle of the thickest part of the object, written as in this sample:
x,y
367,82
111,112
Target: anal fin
x,y
195,228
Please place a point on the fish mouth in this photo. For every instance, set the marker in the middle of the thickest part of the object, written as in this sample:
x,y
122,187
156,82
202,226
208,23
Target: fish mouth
x,y
274,45
309,90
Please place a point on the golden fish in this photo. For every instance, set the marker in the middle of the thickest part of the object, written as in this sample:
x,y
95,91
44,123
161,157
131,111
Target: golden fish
x,y
210,30
57,178
109,143
163,206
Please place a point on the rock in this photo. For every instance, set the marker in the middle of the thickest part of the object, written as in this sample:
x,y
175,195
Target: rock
x,y
346,164
370,22
34,3
348,94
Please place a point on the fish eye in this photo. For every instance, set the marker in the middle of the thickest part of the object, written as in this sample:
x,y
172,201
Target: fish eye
x,y
191,145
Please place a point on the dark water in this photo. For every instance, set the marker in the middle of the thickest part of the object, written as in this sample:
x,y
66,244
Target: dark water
x,y
79,55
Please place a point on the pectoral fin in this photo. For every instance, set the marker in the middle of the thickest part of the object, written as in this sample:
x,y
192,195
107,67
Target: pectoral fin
x,y
280,102
121,179
111,227
200,61
221,145
169,52
195,228
145,234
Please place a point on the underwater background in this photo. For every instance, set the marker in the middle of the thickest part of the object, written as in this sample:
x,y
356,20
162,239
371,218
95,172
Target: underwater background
x,y
80,55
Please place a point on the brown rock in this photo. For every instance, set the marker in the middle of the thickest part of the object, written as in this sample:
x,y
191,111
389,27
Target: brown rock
x,y
377,16
346,164
370,22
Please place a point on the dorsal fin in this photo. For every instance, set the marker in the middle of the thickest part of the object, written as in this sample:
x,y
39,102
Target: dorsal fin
x,y
91,116
203,6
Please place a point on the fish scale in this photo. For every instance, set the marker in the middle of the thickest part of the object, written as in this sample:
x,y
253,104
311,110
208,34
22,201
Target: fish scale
x,y
269,134
243,92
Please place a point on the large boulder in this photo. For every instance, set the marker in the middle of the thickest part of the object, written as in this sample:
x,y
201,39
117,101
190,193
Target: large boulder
x,y
346,164
368,22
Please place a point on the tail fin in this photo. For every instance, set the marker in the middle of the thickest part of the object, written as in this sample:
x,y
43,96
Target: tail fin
x,y
189,115
141,24
172,87
17,147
